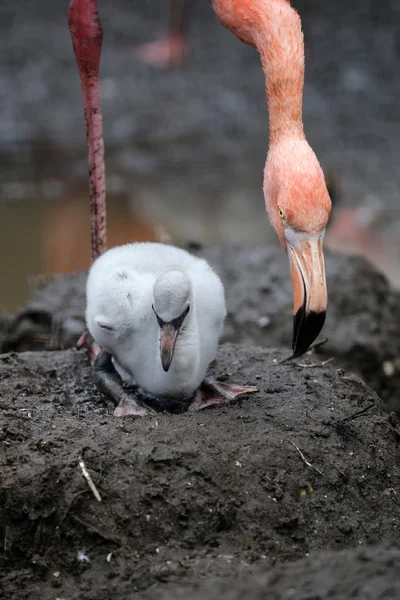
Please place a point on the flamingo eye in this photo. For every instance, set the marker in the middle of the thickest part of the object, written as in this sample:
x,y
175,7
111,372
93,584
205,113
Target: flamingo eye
x,y
282,213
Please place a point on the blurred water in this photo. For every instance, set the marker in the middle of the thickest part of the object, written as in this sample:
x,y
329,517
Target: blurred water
x,y
40,236
44,221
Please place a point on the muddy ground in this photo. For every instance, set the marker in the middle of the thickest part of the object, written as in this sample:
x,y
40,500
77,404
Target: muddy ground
x,y
217,503
200,501
310,462
362,327
370,574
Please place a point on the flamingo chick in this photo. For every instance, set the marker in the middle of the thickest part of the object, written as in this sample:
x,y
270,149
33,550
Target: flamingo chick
x,y
296,196
157,312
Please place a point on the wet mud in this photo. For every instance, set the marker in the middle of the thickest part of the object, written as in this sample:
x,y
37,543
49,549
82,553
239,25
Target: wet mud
x,y
310,462
227,502
370,574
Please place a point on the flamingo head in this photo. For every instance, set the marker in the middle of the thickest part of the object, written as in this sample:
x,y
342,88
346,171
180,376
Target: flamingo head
x,y
298,205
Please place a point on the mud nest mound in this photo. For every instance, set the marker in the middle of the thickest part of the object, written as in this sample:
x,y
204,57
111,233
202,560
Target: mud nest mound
x,y
367,574
310,462
362,326
363,318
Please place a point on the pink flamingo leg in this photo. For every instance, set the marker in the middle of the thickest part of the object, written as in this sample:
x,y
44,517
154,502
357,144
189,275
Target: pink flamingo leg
x,y
87,36
172,50
169,52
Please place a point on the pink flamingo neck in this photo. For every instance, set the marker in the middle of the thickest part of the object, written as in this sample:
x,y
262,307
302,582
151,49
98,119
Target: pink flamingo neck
x,y
279,40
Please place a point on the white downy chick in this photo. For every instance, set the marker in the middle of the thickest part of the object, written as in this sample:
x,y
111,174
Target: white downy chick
x,y
159,311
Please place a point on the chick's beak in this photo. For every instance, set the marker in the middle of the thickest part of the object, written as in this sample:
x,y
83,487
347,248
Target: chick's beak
x,y
169,334
309,288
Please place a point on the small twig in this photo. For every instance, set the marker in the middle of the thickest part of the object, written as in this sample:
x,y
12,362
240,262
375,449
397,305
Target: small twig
x,y
89,480
360,413
312,347
303,458
93,529
311,365
328,360
285,360
367,533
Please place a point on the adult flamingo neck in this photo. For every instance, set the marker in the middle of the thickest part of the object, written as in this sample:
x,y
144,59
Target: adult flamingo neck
x,y
279,40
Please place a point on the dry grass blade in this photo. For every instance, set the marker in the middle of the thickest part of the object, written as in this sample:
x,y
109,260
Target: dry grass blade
x,y
89,480
306,462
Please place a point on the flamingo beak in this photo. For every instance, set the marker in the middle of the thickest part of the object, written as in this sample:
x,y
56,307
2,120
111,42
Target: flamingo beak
x,y
309,287
169,335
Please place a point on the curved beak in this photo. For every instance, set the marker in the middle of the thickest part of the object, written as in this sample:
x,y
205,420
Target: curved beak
x,y
169,334
309,288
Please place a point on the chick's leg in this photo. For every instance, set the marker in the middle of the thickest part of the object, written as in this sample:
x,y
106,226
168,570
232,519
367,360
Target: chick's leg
x,y
213,393
110,383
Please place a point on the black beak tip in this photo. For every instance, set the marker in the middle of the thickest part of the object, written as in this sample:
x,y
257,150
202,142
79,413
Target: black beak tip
x,y
166,365
306,327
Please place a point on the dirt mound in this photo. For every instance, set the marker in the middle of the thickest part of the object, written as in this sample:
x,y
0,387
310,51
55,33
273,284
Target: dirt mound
x,y
363,320
310,462
367,574
53,319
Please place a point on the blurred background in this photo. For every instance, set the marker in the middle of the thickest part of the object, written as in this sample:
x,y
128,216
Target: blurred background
x,y
186,146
